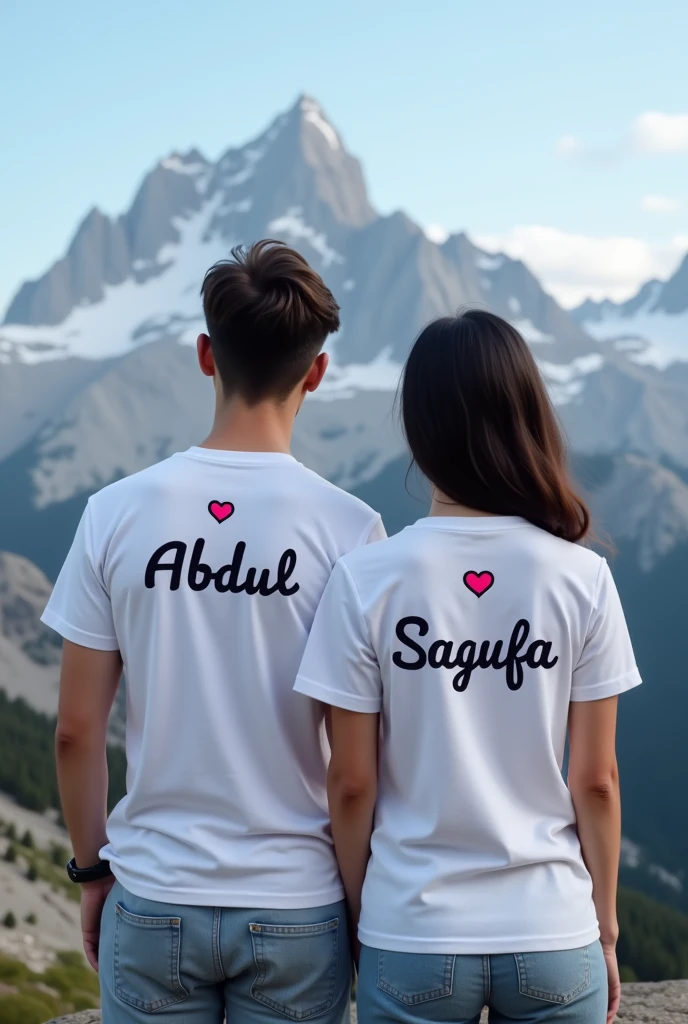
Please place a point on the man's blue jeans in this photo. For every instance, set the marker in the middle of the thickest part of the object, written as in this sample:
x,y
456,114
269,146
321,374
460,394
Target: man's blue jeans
x,y
163,962
567,987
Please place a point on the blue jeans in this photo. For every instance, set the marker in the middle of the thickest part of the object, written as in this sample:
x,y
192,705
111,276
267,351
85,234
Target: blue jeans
x,y
196,964
568,987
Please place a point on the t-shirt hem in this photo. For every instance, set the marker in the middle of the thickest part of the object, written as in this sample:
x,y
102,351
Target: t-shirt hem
x,y
467,947
337,699
228,897
611,688
78,636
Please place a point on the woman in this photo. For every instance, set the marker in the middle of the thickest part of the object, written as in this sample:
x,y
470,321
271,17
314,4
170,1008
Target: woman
x,y
456,657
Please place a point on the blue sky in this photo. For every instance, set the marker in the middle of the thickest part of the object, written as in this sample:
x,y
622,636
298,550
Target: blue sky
x,y
524,123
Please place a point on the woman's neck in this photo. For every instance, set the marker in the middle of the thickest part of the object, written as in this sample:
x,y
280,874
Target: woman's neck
x,y
444,506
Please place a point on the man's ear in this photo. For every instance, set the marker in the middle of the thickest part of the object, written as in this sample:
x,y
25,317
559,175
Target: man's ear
x,y
205,355
316,372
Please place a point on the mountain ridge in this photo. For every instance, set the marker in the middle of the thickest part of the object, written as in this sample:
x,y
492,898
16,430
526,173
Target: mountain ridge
x,y
651,326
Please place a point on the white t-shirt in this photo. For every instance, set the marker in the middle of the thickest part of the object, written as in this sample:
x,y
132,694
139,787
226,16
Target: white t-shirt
x,y
471,636
205,571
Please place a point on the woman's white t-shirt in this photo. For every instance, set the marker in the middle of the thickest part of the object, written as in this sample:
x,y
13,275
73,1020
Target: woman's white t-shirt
x,y
471,636
205,572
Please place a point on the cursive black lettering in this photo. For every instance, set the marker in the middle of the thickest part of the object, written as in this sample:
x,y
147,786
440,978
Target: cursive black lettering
x,y
287,564
196,567
440,654
423,627
471,655
174,568
465,658
228,577
538,655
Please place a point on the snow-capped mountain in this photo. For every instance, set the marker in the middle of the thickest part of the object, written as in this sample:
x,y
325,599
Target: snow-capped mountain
x,y
98,378
97,370
651,328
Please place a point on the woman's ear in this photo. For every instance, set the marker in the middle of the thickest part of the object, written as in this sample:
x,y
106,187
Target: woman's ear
x,y
205,355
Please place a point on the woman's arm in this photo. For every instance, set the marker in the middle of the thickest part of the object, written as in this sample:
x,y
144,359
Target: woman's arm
x,y
352,792
594,784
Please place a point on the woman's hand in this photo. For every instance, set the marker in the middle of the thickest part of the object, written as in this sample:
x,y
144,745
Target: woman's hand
x,y
613,981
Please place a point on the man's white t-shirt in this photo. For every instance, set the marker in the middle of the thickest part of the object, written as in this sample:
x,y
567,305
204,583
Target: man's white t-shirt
x,y
205,571
471,636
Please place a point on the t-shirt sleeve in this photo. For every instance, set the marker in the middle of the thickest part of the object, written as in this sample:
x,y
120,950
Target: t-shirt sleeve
x,y
606,666
376,532
79,608
339,665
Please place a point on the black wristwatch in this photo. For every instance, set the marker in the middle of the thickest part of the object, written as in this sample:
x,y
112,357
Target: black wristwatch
x,y
94,874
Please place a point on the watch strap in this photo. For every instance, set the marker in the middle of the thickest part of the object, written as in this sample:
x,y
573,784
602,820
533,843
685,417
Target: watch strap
x,y
93,874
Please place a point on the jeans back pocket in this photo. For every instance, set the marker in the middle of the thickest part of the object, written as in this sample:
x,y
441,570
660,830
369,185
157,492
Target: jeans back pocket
x,y
147,953
297,967
413,978
554,977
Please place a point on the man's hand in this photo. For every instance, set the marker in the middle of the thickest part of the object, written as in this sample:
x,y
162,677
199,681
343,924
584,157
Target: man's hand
x,y
93,896
614,982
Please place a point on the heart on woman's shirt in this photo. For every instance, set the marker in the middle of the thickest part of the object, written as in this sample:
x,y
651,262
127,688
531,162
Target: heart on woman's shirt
x,y
478,582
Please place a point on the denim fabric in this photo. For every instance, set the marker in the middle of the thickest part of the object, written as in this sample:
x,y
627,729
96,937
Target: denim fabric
x,y
566,987
196,964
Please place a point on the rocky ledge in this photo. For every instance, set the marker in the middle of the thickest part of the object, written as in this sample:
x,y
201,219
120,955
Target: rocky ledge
x,y
663,1003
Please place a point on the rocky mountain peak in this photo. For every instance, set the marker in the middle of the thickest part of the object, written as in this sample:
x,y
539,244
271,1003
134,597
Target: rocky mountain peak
x,y
24,591
673,298
646,503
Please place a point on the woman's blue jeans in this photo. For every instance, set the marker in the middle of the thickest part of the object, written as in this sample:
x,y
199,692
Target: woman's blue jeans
x,y
566,987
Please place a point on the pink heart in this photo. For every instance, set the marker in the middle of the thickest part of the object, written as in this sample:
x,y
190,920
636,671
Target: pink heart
x,y
478,582
221,510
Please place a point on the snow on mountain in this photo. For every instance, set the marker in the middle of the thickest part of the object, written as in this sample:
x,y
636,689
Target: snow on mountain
x,y
133,311
651,328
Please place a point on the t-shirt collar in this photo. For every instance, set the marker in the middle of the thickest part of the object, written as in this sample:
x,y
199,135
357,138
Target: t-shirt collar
x,y
225,457
470,524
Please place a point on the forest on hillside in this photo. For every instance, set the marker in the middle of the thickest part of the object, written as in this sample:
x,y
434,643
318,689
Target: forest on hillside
x,y
27,758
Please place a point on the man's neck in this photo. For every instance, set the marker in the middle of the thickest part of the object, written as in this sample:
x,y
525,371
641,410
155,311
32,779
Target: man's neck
x,y
265,427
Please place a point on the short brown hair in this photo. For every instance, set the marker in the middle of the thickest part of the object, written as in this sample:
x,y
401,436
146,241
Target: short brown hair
x,y
481,427
268,315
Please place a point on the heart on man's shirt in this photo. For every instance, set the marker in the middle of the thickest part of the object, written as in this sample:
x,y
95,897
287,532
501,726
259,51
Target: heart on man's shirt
x,y
221,510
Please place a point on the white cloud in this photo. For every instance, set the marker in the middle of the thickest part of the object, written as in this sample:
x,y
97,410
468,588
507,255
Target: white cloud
x,y
651,132
574,267
569,145
660,204
437,233
655,132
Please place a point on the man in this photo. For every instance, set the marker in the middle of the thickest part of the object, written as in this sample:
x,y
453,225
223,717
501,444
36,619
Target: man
x,y
200,578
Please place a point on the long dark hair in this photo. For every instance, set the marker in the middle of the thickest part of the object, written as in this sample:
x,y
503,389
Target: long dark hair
x,y
481,427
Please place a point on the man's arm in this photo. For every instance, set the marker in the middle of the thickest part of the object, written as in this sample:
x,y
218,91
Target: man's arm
x,y
352,792
88,686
